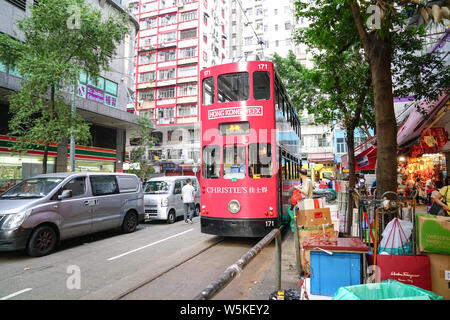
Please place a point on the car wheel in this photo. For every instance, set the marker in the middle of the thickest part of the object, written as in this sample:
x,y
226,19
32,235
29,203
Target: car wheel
x,y
130,222
42,241
171,216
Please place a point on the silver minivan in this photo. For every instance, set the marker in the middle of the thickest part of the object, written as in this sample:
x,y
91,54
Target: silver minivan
x,y
162,197
39,212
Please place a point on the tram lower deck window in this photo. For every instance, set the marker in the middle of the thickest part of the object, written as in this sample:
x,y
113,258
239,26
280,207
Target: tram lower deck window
x,y
211,162
233,87
260,160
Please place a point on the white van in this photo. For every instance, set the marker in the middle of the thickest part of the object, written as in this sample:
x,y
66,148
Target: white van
x,y
162,197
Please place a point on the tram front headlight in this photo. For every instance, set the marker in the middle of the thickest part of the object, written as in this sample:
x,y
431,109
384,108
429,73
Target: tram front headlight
x,y
234,206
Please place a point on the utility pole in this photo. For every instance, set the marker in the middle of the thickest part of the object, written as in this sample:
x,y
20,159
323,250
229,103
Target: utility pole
x,y
72,140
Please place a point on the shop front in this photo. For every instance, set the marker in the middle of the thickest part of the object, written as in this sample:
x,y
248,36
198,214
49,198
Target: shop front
x,y
15,167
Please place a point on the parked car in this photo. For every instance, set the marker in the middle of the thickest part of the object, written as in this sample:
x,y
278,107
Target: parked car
x,y
39,212
162,197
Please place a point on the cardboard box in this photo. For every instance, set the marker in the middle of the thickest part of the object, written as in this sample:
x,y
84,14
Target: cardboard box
x,y
433,233
309,232
440,274
314,217
308,204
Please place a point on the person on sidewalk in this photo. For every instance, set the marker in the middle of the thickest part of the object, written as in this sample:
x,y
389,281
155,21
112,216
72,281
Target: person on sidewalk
x,y
444,200
188,197
306,187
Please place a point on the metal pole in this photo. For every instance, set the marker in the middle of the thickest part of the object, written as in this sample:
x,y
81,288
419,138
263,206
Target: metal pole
x,y
72,140
297,244
278,262
216,286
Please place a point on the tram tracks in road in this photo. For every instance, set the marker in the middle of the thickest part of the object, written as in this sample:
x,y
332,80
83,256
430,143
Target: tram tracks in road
x,y
171,268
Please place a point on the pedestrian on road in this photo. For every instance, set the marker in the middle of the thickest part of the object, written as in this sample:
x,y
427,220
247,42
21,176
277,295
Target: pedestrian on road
x,y
306,188
188,197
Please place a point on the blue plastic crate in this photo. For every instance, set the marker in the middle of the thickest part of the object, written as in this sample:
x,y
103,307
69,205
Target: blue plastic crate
x,y
330,272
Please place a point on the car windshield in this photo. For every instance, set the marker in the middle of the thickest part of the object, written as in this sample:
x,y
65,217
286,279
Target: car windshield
x,y
157,187
32,188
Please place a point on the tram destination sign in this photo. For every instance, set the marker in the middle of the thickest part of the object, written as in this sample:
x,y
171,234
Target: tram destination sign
x,y
235,112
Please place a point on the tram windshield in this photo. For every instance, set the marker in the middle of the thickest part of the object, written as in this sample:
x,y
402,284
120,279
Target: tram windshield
x,y
234,162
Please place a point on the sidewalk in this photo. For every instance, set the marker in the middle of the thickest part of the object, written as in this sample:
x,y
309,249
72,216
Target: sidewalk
x,y
289,277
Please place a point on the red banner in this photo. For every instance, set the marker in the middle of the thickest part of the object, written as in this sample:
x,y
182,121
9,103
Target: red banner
x,y
433,137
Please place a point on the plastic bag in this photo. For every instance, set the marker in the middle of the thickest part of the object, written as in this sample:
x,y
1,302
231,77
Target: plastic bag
x,y
386,290
396,237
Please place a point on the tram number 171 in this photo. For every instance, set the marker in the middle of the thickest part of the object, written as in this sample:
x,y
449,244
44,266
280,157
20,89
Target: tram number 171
x,y
262,66
270,223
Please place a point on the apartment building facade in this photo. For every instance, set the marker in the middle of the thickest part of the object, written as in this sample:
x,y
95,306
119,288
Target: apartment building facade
x,y
101,102
177,39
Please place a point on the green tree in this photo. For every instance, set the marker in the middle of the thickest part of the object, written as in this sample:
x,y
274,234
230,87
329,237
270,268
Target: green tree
x,y
337,25
142,141
338,92
61,39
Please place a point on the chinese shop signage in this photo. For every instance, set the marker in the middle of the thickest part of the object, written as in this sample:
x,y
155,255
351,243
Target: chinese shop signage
x,y
433,137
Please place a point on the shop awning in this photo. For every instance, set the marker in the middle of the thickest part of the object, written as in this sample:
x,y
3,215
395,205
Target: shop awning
x,y
417,121
320,157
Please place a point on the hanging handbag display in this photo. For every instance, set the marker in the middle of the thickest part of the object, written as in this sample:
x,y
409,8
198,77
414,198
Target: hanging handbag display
x,y
408,269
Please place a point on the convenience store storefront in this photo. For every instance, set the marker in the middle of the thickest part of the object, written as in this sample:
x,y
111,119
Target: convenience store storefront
x,y
15,167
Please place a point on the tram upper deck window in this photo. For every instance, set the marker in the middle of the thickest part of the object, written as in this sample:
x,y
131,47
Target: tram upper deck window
x,y
233,87
261,85
208,91
211,162
260,160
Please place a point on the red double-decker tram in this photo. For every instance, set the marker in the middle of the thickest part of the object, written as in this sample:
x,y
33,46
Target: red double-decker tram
x,y
250,136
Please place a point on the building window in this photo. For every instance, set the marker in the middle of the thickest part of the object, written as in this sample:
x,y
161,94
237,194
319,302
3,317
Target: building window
x,y
149,6
341,146
167,37
168,3
148,95
187,71
166,93
166,55
148,41
188,16
287,26
187,90
187,52
186,110
148,23
188,34
248,40
147,76
166,116
167,19
166,74
147,58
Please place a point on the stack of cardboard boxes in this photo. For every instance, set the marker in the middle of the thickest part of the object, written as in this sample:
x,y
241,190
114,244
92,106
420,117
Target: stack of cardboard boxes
x,y
314,219
433,239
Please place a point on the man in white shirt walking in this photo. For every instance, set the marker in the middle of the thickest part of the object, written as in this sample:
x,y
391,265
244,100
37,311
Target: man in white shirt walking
x,y
188,196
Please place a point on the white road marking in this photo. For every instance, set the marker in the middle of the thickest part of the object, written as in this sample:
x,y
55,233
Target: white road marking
x,y
16,293
149,245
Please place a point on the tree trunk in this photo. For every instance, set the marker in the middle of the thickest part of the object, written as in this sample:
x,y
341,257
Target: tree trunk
x,y
378,49
386,123
52,110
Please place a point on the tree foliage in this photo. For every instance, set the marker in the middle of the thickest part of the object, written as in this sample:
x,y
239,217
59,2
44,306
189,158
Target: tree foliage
x,y
392,53
61,39
143,140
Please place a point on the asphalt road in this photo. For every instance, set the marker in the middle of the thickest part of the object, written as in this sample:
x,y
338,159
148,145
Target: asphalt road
x,y
106,265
